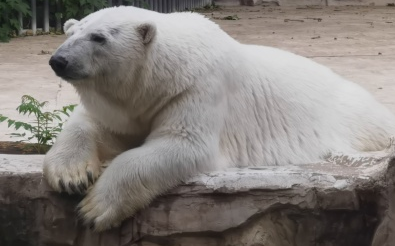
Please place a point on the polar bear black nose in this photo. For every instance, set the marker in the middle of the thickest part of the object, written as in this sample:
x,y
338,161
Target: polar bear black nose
x,y
58,64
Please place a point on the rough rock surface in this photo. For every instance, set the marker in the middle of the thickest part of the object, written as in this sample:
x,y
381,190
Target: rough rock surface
x,y
344,201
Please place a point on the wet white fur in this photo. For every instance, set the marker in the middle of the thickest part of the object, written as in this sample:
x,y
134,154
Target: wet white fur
x,y
193,99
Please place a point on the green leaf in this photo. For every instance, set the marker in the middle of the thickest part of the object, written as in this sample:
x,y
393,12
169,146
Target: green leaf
x,y
87,11
14,23
58,15
2,118
65,113
18,125
27,126
10,122
57,117
43,104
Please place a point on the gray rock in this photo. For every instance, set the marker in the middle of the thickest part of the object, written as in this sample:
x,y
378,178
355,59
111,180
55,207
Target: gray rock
x,y
345,201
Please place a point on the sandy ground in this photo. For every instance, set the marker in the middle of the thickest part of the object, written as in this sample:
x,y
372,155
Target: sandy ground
x,y
356,42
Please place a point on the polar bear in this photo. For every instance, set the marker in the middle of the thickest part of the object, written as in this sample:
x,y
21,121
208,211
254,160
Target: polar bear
x,y
168,96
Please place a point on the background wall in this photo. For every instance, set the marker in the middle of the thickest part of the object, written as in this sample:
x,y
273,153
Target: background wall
x,y
307,2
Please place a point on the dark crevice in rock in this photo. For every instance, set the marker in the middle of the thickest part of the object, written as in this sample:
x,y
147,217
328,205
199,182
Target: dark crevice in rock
x,y
285,225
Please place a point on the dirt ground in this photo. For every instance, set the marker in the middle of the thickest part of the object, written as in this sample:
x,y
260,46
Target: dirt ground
x,y
356,42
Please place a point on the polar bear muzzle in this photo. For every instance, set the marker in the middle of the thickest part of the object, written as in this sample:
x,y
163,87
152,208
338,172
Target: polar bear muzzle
x,y
64,69
58,64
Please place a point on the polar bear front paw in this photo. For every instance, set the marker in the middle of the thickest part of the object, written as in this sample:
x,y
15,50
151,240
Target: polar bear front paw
x,y
73,176
101,210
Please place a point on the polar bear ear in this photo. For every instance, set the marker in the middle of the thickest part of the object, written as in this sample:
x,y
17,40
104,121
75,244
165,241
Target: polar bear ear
x,y
68,24
147,32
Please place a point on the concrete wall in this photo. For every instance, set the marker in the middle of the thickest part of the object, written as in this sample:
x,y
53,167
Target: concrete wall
x,y
306,2
343,201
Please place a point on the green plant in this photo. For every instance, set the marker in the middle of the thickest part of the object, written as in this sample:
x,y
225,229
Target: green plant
x,y
45,127
9,22
212,6
78,9
143,3
207,8
65,9
230,17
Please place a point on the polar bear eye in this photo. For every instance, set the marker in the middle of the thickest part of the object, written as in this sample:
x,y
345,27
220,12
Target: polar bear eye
x,y
98,38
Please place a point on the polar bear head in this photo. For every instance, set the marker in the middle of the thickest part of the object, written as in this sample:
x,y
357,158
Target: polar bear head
x,y
108,43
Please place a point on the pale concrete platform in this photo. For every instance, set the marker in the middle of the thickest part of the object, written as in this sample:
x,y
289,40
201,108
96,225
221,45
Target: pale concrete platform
x,y
356,42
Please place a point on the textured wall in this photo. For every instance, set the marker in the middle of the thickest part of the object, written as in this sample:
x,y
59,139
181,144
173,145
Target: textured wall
x,y
307,2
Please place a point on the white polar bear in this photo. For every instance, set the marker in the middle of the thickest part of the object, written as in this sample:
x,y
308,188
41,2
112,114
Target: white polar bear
x,y
167,96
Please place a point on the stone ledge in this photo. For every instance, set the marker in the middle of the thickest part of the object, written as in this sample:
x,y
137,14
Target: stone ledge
x,y
339,202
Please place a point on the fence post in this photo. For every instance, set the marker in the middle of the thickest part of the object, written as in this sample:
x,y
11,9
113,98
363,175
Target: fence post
x,y
151,4
46,16
58,16
20,20
155,5
34,17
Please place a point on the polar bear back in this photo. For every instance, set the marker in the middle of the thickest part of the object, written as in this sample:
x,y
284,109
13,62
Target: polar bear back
x,y
294,110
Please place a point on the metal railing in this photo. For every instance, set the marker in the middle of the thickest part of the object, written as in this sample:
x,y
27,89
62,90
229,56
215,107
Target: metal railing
x,y
168,6
162,6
